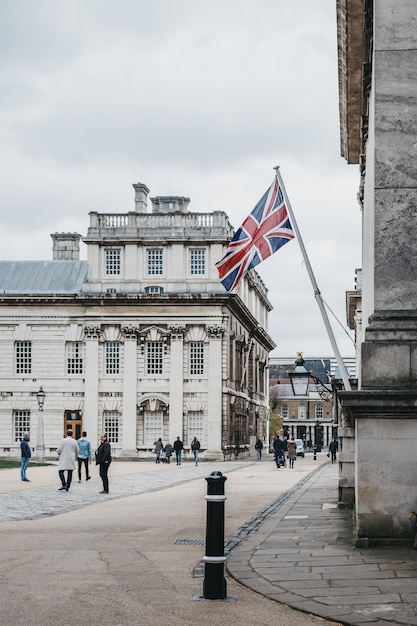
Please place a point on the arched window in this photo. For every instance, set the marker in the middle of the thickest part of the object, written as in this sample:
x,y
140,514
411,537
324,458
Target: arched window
x,y
319,411
302,412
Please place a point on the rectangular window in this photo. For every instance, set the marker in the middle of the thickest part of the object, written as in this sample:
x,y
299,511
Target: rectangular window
x,y
23,357
153,426
111,425
155,262
112,349
285,413
74,357
112,262
21,421
196,358
195,425
198,261
154,356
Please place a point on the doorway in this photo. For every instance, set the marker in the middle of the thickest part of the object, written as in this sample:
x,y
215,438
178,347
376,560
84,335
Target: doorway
x,y
73,421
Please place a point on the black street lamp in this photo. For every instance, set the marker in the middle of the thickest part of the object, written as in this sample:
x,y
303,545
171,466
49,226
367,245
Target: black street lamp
x,y
299,377
40,448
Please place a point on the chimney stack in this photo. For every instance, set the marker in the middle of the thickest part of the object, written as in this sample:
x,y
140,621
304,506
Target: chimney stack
x,y
66,246
141,197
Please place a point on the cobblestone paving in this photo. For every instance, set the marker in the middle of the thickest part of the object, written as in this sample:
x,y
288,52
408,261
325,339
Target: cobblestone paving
x,y
46,501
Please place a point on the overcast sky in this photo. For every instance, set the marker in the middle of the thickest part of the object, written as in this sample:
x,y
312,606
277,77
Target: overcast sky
x,y
200,99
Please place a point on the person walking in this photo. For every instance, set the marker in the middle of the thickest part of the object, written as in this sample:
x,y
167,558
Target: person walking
x,y
278,445
158,449
103,460
67,452
259,447
178,447
84,455
333,449
25,455
292,452
195,447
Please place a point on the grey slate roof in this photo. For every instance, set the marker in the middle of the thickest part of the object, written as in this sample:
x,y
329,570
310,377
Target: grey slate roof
x,y
41,277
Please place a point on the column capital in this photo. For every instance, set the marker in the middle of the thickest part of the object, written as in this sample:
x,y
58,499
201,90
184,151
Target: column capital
x,y
92,332
215,331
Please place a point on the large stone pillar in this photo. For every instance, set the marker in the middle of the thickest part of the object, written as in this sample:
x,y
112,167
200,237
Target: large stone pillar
x,y
90,415
384,410
214,401
129,391
176,384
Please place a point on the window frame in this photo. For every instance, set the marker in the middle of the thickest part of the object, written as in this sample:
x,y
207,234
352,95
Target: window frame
x,y
154,364
23,357
196,360
198,265
154,266
112,357
74,365
112,266
23,426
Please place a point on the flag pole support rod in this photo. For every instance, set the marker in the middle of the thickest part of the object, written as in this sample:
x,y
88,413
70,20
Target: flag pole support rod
x,y
317,294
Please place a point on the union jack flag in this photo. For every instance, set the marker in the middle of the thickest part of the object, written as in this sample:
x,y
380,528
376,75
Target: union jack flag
x,y
262,233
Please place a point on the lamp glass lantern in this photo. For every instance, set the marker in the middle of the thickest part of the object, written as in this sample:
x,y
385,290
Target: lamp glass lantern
x,y
299,377
41,398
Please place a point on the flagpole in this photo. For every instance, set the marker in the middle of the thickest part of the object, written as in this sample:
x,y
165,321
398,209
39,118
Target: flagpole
x,y
317,294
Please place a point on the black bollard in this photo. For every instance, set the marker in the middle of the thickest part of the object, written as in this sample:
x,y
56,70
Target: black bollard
x,y
214,586
315,453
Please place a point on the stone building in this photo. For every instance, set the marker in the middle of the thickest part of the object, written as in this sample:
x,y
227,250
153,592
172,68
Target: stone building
x,y
140,341
377,42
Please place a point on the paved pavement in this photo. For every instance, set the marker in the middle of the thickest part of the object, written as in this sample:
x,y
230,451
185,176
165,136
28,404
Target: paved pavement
x,y
302,555
294,548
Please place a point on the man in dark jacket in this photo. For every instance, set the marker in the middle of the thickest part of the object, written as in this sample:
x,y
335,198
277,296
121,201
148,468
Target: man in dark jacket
x,y
178,447
25,454
103,460
278,451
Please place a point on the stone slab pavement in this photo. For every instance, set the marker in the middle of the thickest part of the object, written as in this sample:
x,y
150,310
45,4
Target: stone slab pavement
x,y
302,554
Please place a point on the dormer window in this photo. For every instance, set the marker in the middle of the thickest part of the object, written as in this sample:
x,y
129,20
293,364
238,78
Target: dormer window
x,y
154,289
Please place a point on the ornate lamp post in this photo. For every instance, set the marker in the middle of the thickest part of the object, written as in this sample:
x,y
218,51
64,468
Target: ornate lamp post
x,y
40,447
299,377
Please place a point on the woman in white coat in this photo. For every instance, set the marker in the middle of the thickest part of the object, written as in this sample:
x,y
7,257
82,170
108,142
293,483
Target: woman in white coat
x,y
67,452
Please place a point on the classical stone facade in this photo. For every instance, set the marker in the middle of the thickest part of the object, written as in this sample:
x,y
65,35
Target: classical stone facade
x,y
378,104
140,340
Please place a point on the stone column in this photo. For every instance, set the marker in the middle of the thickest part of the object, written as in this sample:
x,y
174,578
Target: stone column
x,y
176,383
129,334
384,411
214,402
91,421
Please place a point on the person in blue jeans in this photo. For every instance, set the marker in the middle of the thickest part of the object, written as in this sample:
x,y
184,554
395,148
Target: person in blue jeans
x,y
195,447
25,455
84,455
178,447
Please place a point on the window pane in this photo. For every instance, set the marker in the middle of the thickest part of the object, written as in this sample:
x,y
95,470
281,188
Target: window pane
x,y
111,425
153,426
196,358
319,410
21,420
112,357
198,261
74,357
155,262
112,262
195,425
284,410
302,414
154,353
23,357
